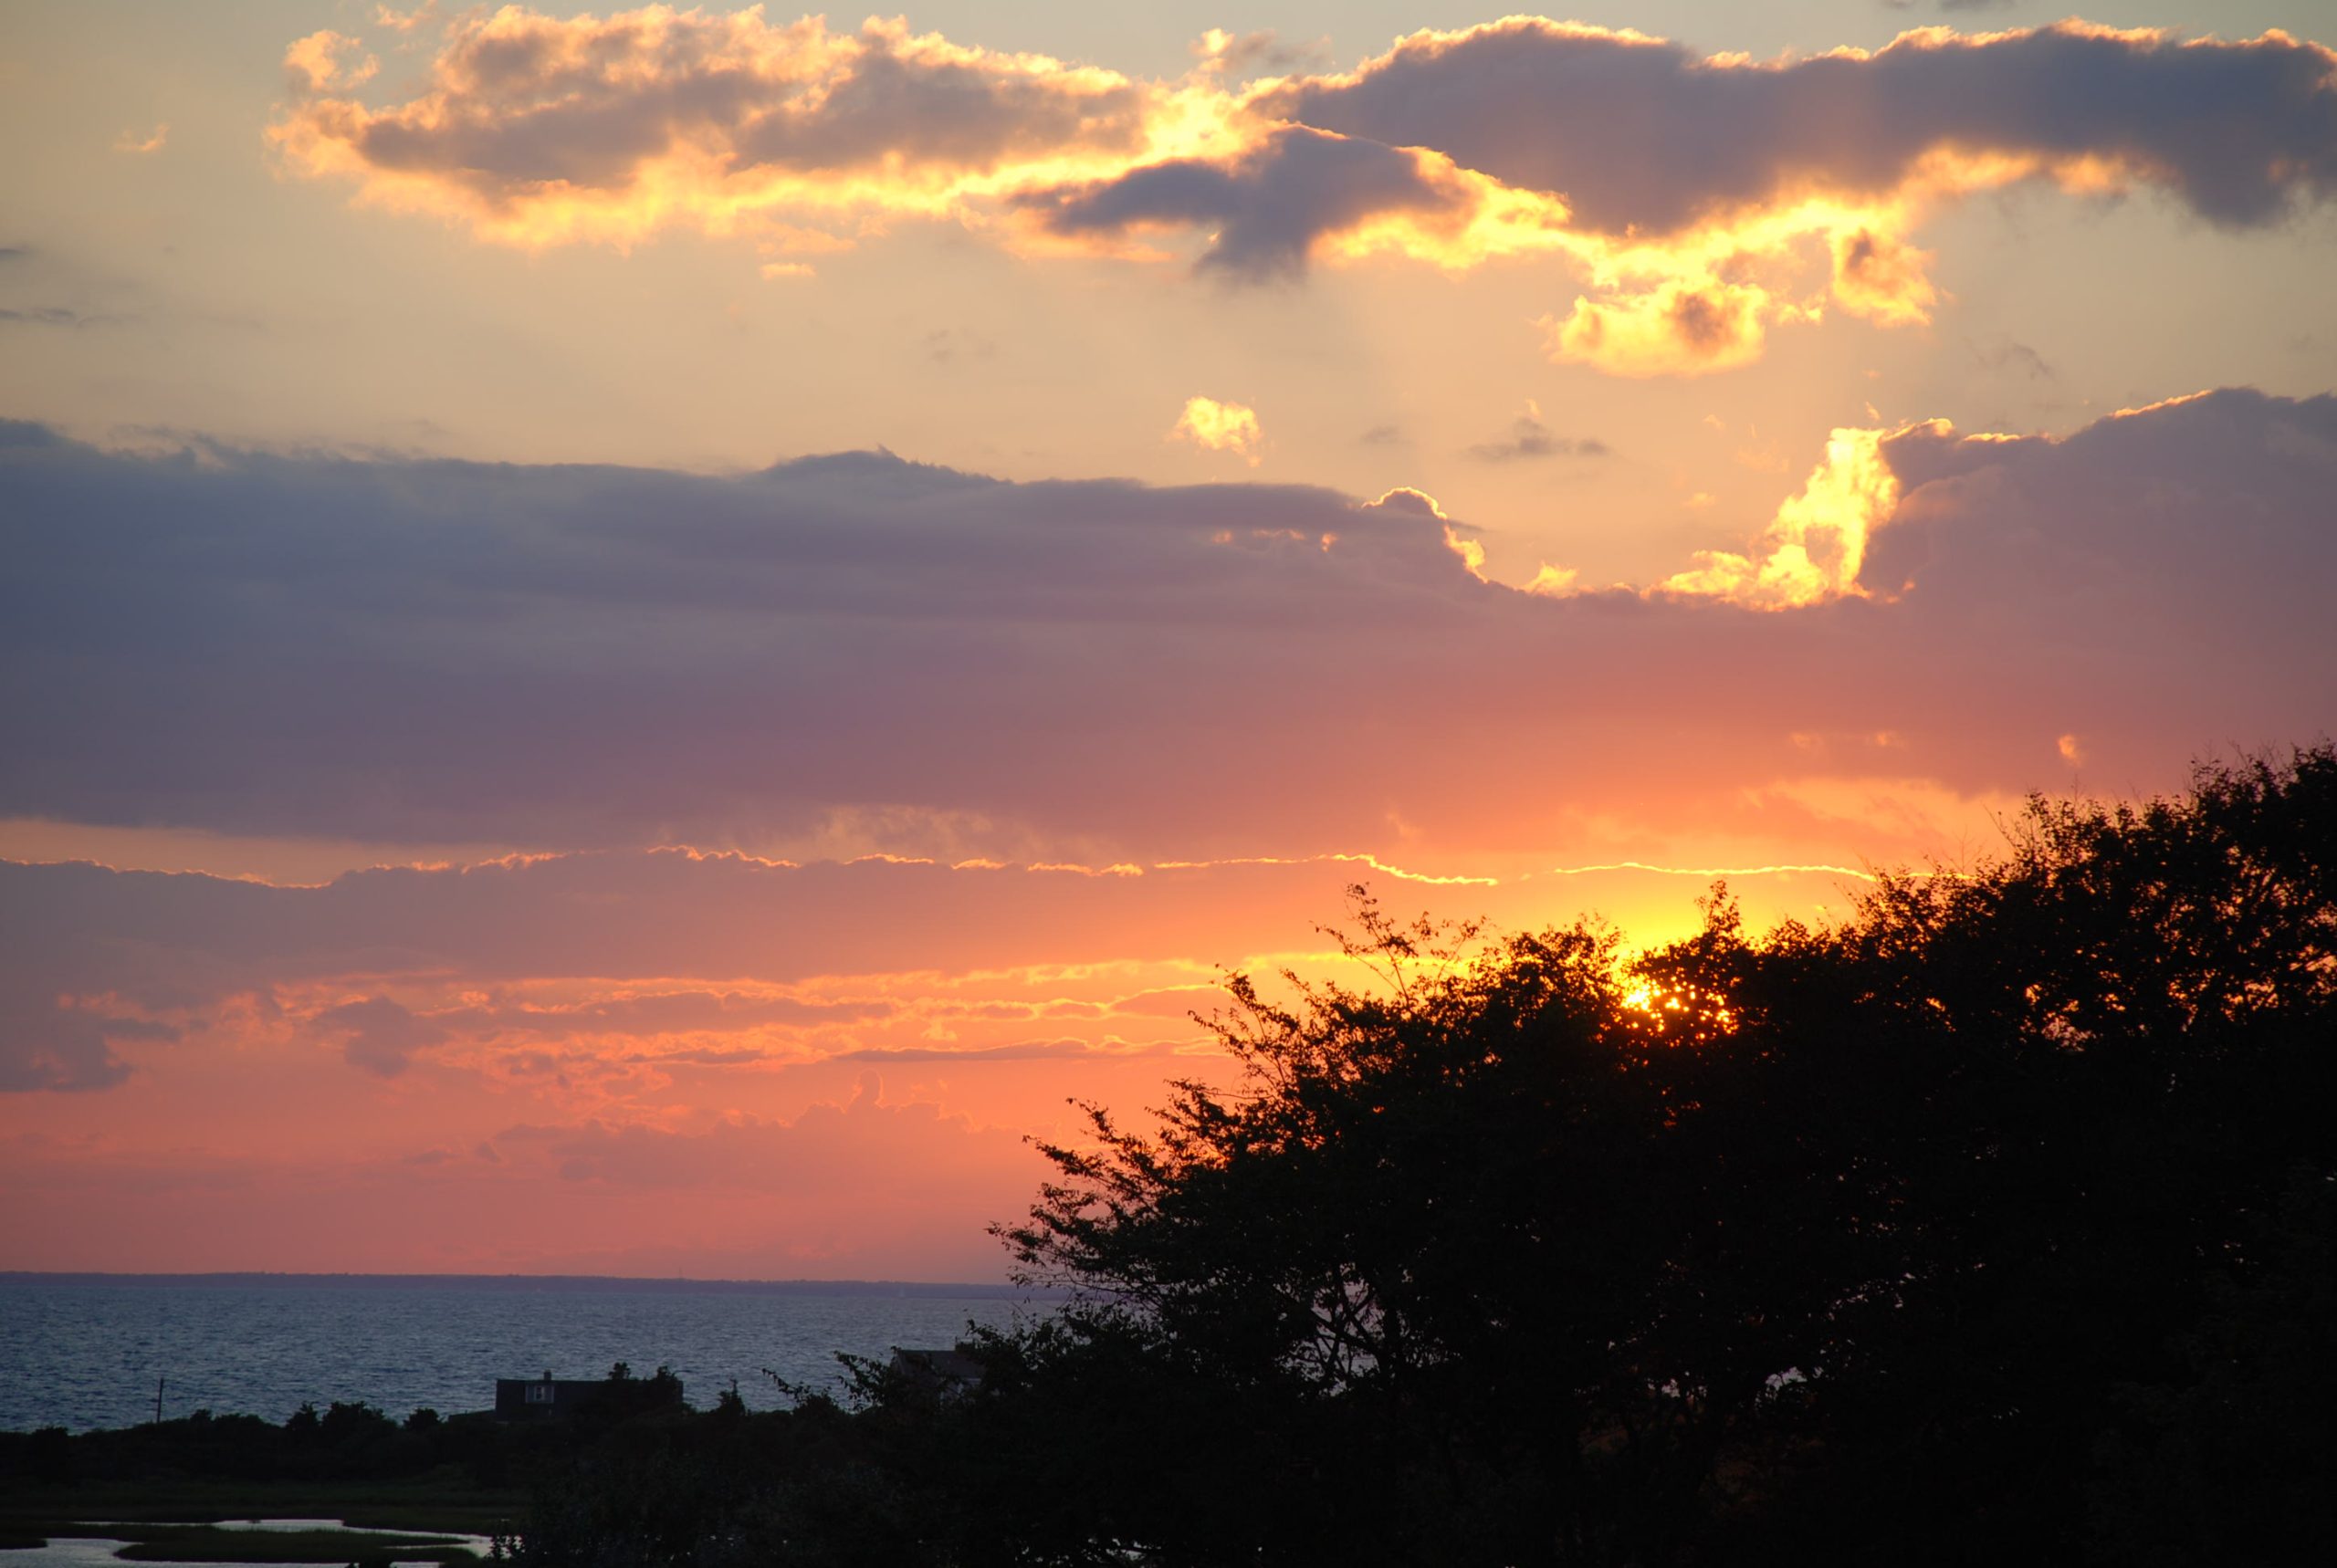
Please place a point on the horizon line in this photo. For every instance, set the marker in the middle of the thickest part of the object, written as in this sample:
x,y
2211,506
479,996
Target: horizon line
x,y
514,1280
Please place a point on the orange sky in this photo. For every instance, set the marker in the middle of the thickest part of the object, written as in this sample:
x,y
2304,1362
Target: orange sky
x,y
636,641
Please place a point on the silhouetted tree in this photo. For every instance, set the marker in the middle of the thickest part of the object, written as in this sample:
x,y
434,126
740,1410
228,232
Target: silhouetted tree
x,y
1849,1235
1991,1223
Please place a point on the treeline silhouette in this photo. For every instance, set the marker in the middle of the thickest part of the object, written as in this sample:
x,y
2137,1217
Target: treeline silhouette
x,y
1992,1223
347,1441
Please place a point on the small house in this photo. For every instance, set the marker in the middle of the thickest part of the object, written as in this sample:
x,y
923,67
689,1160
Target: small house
x,y
526,1399
941,1373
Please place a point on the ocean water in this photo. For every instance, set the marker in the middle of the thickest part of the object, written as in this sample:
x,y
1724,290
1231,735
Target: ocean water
x,y
82,1352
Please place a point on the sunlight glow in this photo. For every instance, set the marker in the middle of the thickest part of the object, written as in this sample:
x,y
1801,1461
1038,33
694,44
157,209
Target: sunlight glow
x,y
1814,548
1217,426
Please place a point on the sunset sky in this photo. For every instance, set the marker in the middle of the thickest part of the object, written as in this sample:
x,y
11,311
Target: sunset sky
x,y
633,642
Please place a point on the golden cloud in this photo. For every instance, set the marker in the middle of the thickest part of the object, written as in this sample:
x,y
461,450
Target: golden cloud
x,y
314,64
1814,548
1701,199
1676,328
536,131
1217,426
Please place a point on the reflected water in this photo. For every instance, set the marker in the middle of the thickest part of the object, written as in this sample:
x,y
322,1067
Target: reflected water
x,y
83,1355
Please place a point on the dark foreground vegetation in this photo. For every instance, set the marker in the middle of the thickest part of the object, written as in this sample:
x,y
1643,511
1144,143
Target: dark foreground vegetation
x,y
157,1485
1991,1225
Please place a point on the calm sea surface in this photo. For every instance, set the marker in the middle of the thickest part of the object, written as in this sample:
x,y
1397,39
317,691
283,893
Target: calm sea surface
x,y
81,1352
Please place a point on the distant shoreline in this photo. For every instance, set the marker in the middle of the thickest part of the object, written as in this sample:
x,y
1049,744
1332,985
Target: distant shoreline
x,y
526,1284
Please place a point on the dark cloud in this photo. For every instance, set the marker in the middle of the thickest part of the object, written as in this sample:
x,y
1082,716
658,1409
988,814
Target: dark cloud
x,y
965,114
2203,511
1528,437
59,316
49,1040
150,944
944,344
373,640
1268,206
1639,134
1258,53
21,433
1383,435
92,960
380,1035
2003,353
575,656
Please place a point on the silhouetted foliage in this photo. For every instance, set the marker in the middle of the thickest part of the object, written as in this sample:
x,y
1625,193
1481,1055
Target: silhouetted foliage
x,y
1898,1240
345,1442
1993,1223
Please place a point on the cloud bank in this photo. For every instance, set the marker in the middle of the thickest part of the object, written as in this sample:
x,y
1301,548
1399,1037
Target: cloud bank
x,y
1639,134
1686,194
862,650
1088,740
617,964
537,129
